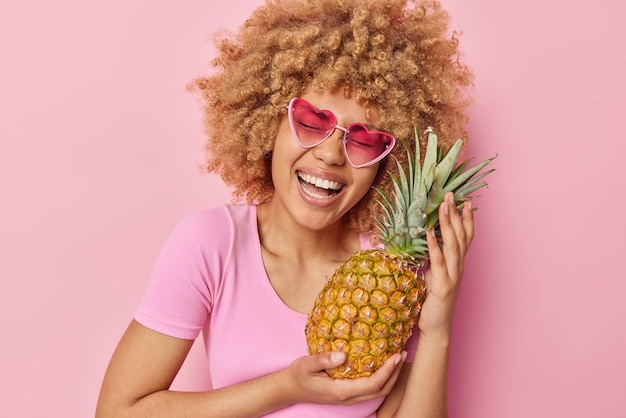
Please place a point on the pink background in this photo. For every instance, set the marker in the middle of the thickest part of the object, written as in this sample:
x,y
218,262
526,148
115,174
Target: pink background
x,y
99,153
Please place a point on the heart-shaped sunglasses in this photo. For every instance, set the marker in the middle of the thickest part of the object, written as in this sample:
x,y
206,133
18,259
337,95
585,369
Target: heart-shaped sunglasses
x,y
311,127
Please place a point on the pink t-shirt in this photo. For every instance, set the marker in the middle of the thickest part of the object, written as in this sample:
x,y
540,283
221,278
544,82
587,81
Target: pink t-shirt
x,y
210,277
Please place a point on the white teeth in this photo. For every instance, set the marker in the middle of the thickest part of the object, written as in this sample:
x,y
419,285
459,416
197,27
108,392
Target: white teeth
x,y
321,183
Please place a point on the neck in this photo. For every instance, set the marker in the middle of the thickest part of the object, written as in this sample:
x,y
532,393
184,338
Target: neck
x,y
283,235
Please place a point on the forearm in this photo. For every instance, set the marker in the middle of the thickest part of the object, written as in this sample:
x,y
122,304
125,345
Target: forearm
x,y
422,389
144,366
426,390
247,399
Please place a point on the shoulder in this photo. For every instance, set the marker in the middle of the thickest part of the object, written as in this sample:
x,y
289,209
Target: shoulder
x,y
215,222
210,233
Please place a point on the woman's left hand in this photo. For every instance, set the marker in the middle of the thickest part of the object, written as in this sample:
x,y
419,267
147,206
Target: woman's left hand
x,y
443,277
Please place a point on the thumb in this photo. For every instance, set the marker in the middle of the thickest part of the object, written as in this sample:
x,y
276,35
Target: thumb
x,y
330,359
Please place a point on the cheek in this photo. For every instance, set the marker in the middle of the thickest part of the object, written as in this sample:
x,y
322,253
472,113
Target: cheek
x,y
284,140
365,177
286,151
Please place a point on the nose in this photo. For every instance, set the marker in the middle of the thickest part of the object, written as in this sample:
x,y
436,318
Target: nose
x,y
331,150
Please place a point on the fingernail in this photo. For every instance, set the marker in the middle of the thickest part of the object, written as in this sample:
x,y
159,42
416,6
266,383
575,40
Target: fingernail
x,y
336,356
445,208
400,358
432,232
469,204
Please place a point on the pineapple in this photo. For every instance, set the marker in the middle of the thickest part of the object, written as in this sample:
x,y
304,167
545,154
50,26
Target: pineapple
x,y
370,305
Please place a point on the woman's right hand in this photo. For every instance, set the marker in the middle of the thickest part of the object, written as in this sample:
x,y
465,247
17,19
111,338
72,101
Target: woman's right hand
x,y
308,382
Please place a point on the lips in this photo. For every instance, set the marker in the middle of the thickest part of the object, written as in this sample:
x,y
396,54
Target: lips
x,y
318,188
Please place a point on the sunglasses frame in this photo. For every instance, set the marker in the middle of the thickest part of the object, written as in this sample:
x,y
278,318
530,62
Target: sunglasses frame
x,y
345,135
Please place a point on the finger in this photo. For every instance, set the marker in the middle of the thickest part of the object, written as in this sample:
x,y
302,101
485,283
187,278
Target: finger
x,y
434,250
468,222
391,366
394,377
456,221
378,384
451,248
435,255
394,363
323,361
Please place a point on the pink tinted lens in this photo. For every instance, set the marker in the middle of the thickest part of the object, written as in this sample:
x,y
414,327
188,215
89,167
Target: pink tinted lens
x,y
364,147
311,126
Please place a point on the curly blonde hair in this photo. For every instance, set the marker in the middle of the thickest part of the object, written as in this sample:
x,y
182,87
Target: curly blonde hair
x,y
397,55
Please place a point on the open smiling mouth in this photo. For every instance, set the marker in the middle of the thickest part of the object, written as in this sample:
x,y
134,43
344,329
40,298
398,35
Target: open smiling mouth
x,y
318,188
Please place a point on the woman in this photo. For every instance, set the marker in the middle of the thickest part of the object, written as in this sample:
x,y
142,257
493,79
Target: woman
x,y
246,275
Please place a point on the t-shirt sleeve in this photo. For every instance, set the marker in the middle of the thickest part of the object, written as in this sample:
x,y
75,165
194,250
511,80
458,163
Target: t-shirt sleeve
x,y
185,276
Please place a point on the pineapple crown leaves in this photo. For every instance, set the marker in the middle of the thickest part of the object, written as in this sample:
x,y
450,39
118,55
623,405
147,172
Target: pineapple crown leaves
x,y
412,209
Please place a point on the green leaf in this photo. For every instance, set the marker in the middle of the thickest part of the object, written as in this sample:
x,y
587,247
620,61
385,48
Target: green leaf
x,y
445,166
466,175
430,159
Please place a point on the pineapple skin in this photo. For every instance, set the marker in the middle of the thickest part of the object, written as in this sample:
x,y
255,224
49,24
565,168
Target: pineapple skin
x,y
367,309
